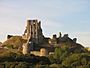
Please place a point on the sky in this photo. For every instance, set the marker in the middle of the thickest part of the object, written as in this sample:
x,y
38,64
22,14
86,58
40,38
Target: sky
x,y
66,16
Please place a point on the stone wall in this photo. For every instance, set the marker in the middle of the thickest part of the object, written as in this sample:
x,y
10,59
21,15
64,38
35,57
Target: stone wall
x,y
33,31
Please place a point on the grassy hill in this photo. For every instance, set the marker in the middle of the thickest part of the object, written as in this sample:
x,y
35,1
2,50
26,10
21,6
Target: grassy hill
x,y
14,42
69,55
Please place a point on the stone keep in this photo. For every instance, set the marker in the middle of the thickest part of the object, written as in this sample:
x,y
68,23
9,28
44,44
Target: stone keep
x,y
33,31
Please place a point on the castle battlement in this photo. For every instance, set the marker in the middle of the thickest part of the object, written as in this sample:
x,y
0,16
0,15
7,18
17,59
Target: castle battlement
x,y
33,31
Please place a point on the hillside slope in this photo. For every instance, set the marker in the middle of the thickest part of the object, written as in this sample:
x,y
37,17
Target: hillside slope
x,y
14,42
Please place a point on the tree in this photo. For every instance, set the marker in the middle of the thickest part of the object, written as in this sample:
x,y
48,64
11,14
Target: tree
x,y
60,53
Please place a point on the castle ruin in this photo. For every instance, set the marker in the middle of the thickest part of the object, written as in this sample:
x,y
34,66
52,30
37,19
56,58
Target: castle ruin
x,y
36,40
33,31
33,34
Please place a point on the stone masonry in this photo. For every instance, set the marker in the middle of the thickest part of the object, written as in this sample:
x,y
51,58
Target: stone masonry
x,y
33,31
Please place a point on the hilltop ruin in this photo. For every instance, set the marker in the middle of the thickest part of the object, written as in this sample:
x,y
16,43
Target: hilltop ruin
x,y
36,40
33,40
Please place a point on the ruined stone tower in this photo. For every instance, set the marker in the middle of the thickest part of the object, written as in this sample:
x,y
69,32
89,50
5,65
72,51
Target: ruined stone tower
x,y
33,31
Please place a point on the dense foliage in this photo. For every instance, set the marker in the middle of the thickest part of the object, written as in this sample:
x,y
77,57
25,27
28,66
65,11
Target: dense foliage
x,y
65,56
61,58
13,60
